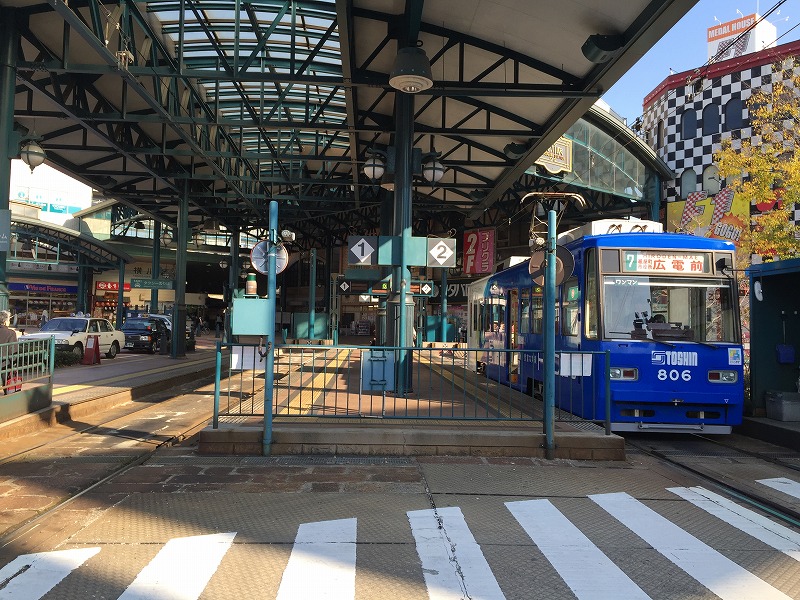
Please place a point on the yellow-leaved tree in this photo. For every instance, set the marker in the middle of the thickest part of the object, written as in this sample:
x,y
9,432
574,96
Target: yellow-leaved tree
x,y
765,169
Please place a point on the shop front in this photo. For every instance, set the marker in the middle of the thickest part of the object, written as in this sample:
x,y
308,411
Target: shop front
x,y
28,302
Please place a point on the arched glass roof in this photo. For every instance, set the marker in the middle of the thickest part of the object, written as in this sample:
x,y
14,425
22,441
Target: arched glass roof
x,y
236,103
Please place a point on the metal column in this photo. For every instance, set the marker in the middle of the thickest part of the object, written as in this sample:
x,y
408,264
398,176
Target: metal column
x,y
8,141
550,336
312,295
179,309
155,270
404,139
270,341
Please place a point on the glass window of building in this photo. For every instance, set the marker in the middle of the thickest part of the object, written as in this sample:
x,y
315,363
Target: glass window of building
x,y
688,182
711,119
660,135
733,115
688,124
711,183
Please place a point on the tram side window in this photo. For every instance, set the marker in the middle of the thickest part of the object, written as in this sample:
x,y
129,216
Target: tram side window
x,y
590,296
537,309
570,307
525,312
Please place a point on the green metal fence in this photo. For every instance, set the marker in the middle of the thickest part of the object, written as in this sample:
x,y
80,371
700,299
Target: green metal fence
x,y
361,382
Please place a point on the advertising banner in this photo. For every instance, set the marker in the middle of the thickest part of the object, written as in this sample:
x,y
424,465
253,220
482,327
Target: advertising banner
x,y
723,216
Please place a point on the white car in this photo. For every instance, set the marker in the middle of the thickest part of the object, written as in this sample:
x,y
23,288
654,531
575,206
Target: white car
x,y
70,334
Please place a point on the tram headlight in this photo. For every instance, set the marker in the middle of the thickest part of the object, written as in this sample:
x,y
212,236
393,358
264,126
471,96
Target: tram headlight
x,y
624,373
723,376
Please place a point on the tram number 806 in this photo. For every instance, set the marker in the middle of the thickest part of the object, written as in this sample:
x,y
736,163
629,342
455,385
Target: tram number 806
x,y
674,375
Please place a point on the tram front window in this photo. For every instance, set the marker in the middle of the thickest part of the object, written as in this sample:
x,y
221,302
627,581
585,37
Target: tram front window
x,y
669,309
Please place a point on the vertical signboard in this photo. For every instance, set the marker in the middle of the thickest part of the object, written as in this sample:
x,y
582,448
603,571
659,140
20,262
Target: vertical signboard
x,y
478,251
5,230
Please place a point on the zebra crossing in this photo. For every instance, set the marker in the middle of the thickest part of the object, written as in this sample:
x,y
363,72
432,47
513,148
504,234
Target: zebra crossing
x,y
322,562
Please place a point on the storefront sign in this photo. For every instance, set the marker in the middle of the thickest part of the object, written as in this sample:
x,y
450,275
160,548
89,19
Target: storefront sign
x,y
111,286
153,284
478,251
48,288
557,157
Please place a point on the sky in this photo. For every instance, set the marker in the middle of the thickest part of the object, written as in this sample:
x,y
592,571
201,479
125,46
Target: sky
x,y
685,47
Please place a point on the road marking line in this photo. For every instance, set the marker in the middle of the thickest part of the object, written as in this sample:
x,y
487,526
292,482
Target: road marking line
x,y
760,527
782,484
718,573
322,564
31,576
588,572
452,561
181,569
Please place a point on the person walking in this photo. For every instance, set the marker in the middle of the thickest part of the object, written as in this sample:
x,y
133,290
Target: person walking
x,y
218,323
7,336
199,329
45,316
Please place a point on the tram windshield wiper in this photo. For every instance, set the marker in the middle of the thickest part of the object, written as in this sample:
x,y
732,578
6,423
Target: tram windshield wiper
x,y
709,344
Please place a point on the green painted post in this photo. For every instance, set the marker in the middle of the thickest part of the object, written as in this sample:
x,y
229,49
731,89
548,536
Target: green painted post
x,y
312,295
550,336
269,361
155,267
8,140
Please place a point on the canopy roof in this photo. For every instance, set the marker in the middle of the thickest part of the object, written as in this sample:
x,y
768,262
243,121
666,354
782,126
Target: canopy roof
x,y
237,103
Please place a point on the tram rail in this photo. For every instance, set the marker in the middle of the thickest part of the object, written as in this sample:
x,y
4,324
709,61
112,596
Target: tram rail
x,y
735,489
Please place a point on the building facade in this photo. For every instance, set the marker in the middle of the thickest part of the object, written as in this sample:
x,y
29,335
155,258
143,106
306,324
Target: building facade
x,y
688,115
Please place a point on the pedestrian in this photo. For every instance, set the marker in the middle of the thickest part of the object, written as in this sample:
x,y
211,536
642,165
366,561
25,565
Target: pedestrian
x,y
218,323
45,316
199,328
7,336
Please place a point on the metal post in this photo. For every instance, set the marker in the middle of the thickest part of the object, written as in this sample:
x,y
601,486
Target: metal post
x,y
120,295
312,296
217,369
443,324
270,338
179,308
8,141
155,269
233,278
550,336
404,139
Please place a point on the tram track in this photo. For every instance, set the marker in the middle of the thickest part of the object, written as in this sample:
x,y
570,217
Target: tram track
x,y
740,493
113,428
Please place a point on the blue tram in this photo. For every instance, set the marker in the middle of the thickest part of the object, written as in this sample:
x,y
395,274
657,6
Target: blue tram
x,y
659,303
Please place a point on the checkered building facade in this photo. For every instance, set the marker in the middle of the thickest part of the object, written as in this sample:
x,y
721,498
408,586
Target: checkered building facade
x,y
718,84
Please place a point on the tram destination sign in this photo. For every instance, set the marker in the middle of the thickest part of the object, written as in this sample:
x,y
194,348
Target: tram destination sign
x,y
660,261
153,284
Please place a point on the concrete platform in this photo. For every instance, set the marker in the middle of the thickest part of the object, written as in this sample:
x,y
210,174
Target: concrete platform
x,y
407,437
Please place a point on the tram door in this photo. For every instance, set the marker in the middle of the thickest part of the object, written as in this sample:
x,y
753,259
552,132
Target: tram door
x,y
511,337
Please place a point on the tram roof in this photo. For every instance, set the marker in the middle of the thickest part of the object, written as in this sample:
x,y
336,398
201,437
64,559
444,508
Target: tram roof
x,y
249,101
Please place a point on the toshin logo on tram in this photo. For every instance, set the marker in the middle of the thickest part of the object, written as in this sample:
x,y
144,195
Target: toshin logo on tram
x,y
674,359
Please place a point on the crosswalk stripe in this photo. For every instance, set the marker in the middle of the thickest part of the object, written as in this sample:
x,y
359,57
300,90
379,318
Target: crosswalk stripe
x,y
760,527
718,573
584,568
322,564
31,576
782,484
182,568
452,561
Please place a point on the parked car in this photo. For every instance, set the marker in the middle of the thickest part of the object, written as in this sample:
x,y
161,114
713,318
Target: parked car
x,y
71,333
145,333
191,343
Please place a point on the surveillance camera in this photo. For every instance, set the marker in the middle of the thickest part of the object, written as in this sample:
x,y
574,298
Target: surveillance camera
x,y
288,236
